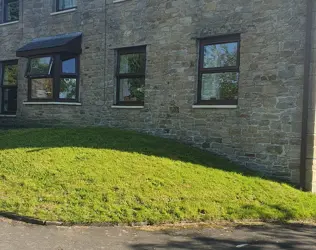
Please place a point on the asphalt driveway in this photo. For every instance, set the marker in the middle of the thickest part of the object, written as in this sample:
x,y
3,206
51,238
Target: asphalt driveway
x,y
16,235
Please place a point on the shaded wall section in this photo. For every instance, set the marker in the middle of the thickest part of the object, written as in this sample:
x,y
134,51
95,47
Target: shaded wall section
x,y
310,175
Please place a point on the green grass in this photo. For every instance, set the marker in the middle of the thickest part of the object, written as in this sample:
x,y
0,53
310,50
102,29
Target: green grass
x,y
107,175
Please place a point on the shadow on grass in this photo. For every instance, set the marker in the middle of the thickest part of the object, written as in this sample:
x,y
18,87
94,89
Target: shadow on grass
x,y
121,140
114,139
263,211
37,140
274,237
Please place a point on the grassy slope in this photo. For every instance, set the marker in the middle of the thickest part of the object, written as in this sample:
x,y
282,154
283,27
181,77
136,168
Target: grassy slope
x,y
105,175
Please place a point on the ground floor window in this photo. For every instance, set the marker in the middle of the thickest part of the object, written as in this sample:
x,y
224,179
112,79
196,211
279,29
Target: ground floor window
x,y
9,80
219,70
53,78
131,67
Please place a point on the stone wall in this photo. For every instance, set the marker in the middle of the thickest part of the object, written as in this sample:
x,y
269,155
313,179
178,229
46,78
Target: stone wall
x,y
263,133
311,145
89,18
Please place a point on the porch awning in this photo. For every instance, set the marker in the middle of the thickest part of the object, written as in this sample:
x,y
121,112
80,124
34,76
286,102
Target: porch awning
x,y
68,43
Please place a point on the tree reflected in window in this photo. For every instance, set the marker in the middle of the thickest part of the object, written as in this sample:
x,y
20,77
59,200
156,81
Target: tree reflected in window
x,y
131,76
11,10
219,71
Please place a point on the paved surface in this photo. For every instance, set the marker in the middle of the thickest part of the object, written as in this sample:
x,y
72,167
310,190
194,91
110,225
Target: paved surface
x,y
15,235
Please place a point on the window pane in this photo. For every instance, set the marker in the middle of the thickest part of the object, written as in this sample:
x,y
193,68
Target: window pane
x,y
133,63
220,86
132,89
10,75
9,101
11,10
69,66
42,88
66,4
68,88
40,66
220,55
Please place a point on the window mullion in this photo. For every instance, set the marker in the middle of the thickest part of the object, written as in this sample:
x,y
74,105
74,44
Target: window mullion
x,y
56,77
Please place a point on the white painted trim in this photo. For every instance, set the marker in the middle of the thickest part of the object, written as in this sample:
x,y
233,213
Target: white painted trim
x,y
63,12
118,1
215,106
8,23
53,103
8,116
126,107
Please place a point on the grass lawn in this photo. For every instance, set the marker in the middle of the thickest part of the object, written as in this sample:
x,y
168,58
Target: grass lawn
x,y
108,175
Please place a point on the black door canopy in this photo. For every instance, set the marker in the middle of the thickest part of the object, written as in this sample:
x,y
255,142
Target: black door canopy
x,y
64,43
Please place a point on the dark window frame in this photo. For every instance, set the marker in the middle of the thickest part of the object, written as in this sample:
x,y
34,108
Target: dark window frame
x,y
58,9
4,11
3,87
120,76
56,74
234,38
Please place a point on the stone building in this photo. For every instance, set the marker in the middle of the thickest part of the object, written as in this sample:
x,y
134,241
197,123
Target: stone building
x,y
235,77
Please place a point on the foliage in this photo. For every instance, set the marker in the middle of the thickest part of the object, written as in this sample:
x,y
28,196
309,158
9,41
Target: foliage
x,y
40,66
68,88
137,89
221,85
10,74
134,63
12,11
109,175
220,55
228,91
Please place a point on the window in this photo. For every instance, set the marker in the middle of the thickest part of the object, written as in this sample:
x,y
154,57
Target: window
x,y
68,80
131,76
9,79
53,78
65,4
219,70
10,10
40,66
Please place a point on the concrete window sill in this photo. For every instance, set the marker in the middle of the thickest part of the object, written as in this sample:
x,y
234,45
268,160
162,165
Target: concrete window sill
x,y
8,23
53,103
7,116
127,107
215,106
63,12
119,1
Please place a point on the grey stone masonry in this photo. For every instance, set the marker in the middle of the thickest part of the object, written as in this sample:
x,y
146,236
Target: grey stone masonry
x,y
311,132
263,132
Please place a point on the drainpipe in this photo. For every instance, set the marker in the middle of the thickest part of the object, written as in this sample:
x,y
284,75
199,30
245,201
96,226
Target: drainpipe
x,y
306,92
105,51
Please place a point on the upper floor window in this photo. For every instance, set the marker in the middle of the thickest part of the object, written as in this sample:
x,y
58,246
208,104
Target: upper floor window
x,y
66,4
9,80
131,67
219,70
53,78
10,11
